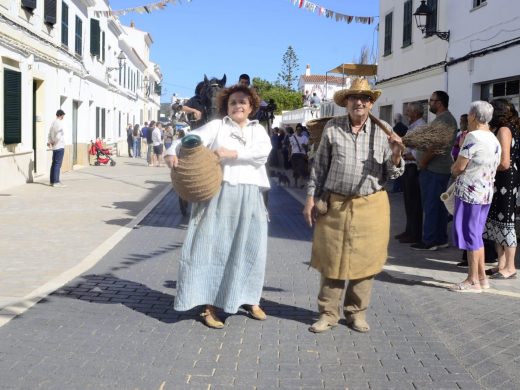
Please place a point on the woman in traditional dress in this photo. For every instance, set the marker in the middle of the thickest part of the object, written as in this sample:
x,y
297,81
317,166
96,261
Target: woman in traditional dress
x,y
500,225
474,169
223,258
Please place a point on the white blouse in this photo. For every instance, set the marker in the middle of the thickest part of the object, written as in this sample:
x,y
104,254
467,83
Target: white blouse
x,y
251,142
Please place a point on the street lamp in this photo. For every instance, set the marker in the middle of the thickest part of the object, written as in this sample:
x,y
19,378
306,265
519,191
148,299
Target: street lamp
x,y
146,83
120,60
421,20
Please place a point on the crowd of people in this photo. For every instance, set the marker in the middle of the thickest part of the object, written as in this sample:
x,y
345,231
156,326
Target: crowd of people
x,y
223,258
481,165
152,137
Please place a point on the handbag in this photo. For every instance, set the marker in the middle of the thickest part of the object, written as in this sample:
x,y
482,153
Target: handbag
x,y
448,198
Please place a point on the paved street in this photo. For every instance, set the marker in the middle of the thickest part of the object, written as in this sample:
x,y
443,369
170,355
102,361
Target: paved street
x,y
114,327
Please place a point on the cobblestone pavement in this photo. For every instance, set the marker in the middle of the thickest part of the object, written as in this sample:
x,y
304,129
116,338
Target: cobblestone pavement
x,y
114,327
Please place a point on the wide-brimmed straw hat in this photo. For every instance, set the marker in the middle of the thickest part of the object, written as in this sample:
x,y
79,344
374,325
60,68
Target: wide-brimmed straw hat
x,y
359,86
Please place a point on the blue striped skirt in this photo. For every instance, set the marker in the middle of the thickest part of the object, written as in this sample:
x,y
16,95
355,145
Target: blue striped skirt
x,y
224,254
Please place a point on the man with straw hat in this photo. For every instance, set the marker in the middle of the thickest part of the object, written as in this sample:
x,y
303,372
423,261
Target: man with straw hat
x,y
358,153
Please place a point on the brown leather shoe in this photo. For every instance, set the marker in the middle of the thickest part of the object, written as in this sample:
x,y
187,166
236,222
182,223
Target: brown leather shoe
x,y
210,318
322,325
358,324
256,312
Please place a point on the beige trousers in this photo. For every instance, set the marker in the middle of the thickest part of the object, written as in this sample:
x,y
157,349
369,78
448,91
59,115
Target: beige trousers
x,y
357,298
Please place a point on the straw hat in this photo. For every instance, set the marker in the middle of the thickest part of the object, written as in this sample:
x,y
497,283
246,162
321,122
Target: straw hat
x,y
359,86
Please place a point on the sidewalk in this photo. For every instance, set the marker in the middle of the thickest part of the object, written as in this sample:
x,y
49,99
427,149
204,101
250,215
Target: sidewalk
x,y
50,235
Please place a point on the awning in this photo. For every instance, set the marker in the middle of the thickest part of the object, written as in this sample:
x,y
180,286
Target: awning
x,y
355,69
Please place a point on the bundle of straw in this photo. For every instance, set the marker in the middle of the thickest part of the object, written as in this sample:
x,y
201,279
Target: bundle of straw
x,y
435,137
315,127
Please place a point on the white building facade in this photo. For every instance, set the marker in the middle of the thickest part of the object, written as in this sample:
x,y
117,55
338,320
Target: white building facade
x,y
479,61
61,54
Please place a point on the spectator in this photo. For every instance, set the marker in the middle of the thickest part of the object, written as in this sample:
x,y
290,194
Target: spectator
x,y
168,137
434,177
129,138
157,145
459,139
411,190
399,127
149,144
299,147
351,237
136,141
56,140
474,170
500,225
144,137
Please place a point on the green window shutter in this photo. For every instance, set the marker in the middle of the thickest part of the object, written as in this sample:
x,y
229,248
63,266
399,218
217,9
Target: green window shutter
x,y
95,37
29,4
388,34
407,23
78,36
49,12
103,46
12,107
431,21
64,24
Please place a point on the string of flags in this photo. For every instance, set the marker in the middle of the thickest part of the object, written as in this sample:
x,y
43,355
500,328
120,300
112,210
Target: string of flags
x,y
148,8
302,4
322,11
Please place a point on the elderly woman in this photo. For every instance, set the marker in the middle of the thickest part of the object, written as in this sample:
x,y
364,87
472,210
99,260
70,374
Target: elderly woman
x,y
474,170
500,226
224,254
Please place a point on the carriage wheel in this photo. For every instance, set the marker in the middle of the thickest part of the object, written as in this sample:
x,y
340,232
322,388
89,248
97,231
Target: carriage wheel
x,y
112,163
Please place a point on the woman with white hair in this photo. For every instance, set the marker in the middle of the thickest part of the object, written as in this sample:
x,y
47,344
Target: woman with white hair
x,y
474,170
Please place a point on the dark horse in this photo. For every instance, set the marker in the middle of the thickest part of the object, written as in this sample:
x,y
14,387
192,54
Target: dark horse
x,y
208,97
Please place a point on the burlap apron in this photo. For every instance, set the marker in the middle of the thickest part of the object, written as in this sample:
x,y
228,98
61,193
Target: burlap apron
x,y
351,240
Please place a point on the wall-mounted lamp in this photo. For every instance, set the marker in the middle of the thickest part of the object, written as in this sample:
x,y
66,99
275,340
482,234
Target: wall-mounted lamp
x,y
421,20
120,60
146,83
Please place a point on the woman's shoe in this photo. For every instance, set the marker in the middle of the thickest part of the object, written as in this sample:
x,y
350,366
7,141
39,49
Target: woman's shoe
x,y
466,287
500,275
256,312
210,318
491,271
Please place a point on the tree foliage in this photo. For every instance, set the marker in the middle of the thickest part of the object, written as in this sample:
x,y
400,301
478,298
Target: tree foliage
x,y
282,97
288,74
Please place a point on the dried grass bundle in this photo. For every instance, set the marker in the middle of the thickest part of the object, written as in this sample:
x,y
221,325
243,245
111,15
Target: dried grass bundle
x,y
435,136
315,128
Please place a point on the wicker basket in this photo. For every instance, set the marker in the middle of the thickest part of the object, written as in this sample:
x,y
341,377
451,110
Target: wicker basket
x,y
315,127
198,176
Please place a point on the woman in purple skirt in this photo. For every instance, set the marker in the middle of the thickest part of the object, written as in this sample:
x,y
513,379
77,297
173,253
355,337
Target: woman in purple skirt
x,y
474,170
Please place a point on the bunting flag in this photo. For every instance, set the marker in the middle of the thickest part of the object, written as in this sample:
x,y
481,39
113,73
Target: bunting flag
x,y
302,4
147,8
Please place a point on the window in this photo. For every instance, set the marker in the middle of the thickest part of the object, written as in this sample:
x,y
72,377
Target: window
x,y
388,34
100,122
78,41
95,37
385,113
102,46
29,5
407,23
478,3
12,107
49,12
64,24
431,21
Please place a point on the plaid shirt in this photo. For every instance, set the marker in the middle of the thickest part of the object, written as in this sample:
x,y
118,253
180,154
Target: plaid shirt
x,y
350,164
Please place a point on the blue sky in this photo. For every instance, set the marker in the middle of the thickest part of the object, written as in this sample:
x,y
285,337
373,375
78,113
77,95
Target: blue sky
x,y
213,37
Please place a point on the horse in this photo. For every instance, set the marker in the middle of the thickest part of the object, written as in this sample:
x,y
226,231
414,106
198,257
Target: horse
x,y
209,93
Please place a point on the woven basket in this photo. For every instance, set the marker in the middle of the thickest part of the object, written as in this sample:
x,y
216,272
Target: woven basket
x,y
315,127
198,176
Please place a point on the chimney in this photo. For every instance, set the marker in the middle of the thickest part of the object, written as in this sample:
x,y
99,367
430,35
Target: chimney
x,y
308,70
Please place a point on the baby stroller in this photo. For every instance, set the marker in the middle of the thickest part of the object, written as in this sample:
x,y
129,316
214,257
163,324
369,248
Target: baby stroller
x,y
102,154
